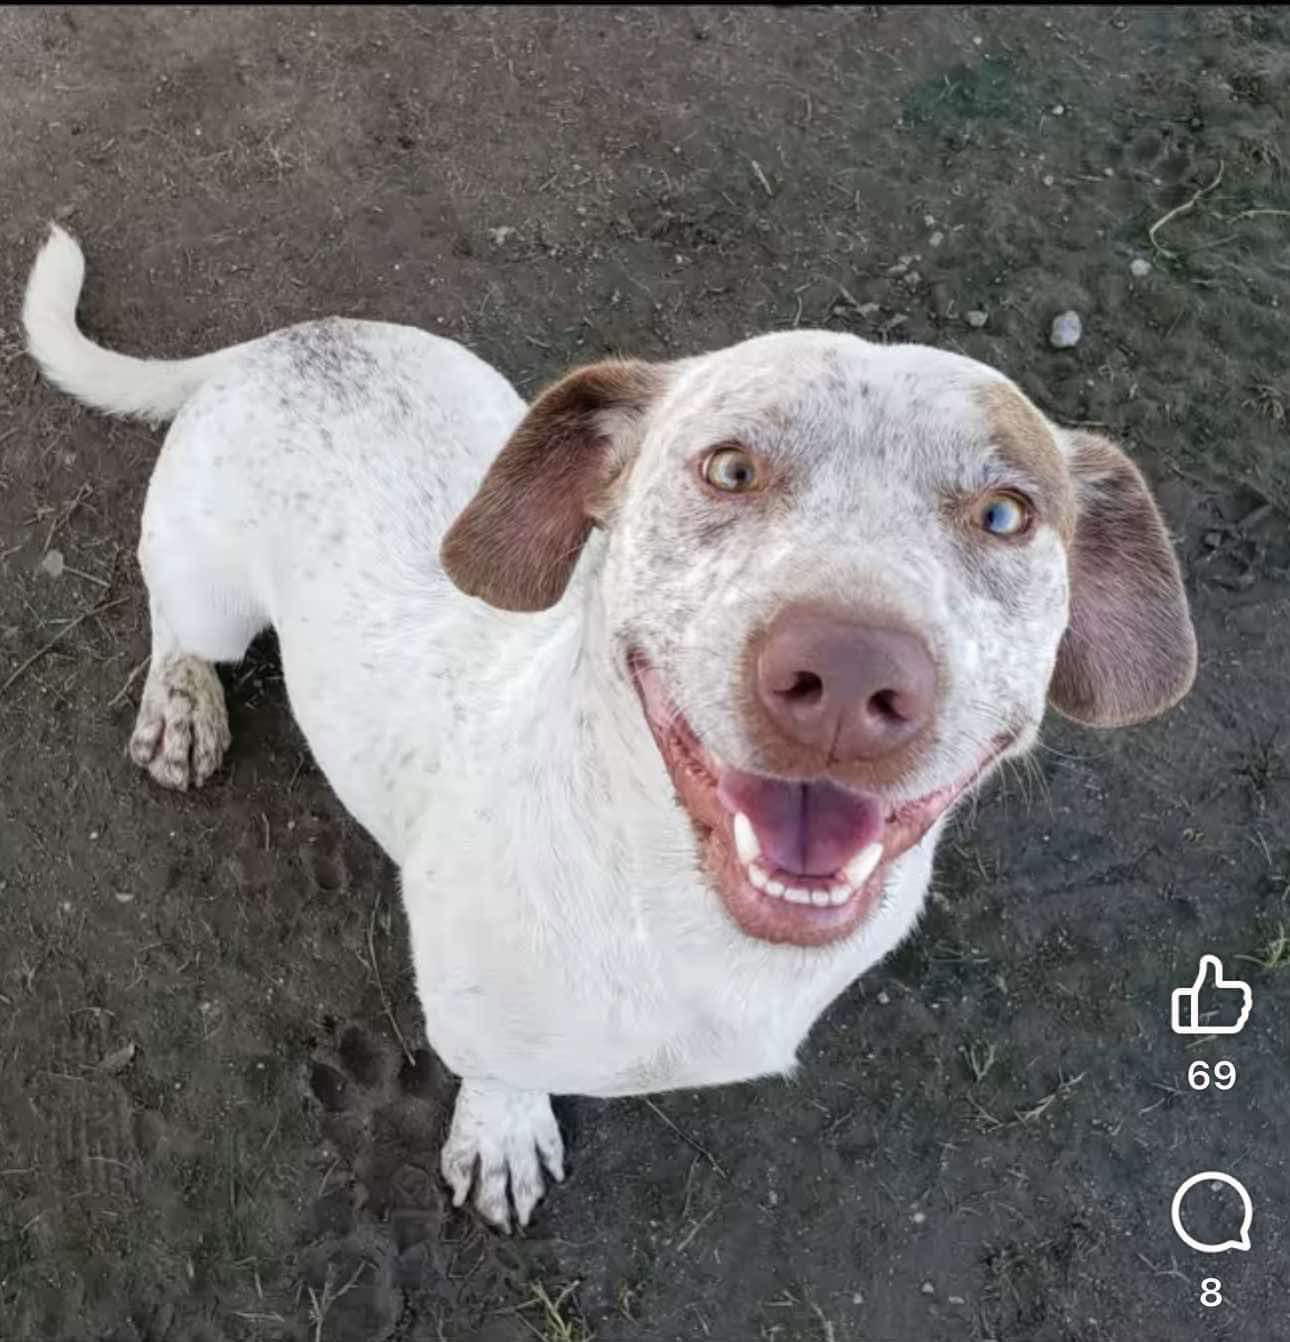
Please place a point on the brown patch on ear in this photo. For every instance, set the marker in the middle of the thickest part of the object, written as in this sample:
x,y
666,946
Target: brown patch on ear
x,y
516,542
1129,651
1025,440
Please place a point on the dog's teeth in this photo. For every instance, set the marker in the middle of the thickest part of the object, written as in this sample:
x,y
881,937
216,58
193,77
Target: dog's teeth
x,y
774,887
860,868
839,894
757,876
746,844
820,898
795,896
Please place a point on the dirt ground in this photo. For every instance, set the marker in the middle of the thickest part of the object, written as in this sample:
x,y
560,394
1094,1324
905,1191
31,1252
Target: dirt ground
x,y
209,1126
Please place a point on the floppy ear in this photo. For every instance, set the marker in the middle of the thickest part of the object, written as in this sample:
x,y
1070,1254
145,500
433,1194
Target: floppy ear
x,y
516,542
1129,651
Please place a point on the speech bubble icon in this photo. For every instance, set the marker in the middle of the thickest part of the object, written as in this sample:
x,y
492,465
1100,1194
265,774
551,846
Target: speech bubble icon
x,y
1247,1208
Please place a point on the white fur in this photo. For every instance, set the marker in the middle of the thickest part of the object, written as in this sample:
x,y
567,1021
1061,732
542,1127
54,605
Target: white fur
x,y
562,938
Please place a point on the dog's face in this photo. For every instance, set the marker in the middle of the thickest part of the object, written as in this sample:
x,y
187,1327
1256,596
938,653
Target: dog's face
x,y
844,579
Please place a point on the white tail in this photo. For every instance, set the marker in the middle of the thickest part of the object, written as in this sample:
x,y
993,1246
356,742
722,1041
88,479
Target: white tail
x,y
151,389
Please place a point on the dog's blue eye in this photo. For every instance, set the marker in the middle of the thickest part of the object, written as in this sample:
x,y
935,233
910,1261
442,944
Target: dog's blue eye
x,y
731,469
1003,514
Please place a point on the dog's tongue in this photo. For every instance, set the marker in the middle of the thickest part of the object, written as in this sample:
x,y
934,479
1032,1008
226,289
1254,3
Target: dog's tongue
x,y
810,829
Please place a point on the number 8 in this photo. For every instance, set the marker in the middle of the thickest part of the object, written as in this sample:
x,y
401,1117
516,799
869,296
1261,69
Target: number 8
x,y
1211,1294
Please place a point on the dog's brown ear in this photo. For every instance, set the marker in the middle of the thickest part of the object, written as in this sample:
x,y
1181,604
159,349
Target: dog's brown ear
x,y
1129,651
516,542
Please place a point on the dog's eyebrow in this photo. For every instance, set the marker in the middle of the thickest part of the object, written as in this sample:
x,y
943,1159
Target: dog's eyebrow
x,y
1024,442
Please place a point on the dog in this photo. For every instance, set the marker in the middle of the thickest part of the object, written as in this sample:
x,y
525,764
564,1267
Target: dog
x,y
659,690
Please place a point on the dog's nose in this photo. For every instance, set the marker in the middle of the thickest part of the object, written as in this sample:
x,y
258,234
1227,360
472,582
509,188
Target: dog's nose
x,y
849,690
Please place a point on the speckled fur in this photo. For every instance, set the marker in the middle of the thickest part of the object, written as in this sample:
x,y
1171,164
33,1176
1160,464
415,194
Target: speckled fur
x,y
562,935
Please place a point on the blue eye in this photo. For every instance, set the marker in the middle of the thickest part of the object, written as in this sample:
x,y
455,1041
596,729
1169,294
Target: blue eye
x,y
1003,514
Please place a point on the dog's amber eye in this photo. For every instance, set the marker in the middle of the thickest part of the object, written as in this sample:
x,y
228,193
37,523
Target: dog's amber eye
x,y
1003,514
731,469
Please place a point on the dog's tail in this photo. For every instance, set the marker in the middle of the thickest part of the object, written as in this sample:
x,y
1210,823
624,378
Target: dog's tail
x,y
117,384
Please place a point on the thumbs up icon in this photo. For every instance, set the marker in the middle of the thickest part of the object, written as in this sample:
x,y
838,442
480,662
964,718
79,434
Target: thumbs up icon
x,y
1186,1001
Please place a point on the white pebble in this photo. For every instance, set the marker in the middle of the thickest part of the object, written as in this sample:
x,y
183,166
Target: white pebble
x,y
883,999
1139,267
976,318
936,239
1066,332
1058,109
928,1288
53,564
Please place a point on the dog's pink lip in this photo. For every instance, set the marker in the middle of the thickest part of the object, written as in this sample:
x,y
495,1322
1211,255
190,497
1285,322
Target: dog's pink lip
x,y
698,776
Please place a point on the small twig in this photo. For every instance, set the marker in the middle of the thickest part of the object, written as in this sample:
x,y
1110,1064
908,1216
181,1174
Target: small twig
x,y
694,1230
761,177
88,577
129,680
58,638
380,987
687,1139
319,1308
1181,209
1254,214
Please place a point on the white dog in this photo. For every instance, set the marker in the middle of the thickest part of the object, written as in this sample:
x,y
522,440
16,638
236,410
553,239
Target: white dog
x,y
658,690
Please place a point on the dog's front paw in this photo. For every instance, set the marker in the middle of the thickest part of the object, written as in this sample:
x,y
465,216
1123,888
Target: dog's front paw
x,y
182,730
500,1140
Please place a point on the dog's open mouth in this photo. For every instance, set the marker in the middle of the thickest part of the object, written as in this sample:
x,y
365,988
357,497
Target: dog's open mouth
x,y
795,861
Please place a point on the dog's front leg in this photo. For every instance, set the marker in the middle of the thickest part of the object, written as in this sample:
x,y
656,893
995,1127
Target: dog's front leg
x,y
500,1139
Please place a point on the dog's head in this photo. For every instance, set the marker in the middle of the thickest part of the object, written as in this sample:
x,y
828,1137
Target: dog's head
x,y
844,579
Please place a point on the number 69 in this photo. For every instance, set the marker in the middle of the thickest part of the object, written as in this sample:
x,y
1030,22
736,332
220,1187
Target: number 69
x,y
1224,1076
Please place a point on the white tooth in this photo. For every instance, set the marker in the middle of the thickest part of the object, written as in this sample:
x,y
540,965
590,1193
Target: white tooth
x,y
795,896
746,844
820,898
774,887
839,894
757,876
860,868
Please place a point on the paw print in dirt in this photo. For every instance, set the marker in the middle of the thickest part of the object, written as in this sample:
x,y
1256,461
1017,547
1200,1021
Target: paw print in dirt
x,y
380,1238
382,1116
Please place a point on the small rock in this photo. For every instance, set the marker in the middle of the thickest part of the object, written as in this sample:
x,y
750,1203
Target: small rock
x,y
928,1288
957,1300
894,272
1066,331
1048,179
120,1059
912,280
1139,267
1058,110
919,1218
869,309
976,318
883,998
936,239
1108,172
53,564
499,235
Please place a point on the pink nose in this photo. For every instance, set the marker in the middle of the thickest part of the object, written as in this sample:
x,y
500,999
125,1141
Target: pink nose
x,y
847,690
